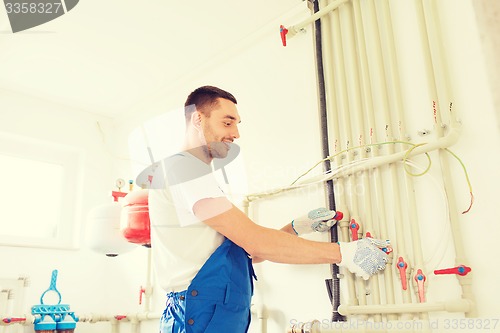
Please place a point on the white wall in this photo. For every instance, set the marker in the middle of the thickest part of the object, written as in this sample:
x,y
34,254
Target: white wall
x,y
88,281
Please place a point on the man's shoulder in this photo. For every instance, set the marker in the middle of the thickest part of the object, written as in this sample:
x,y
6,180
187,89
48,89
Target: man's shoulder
x,y
181,168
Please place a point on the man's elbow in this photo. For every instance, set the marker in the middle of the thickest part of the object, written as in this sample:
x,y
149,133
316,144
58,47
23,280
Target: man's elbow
x,y
256,251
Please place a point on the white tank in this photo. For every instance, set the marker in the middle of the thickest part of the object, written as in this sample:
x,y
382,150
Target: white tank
x,y
103,230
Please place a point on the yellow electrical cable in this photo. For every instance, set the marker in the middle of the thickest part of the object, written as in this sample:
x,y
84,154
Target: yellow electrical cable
x,y
405,159
367,146
466,177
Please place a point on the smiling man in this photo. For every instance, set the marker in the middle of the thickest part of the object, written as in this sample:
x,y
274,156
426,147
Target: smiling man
x,y
204,247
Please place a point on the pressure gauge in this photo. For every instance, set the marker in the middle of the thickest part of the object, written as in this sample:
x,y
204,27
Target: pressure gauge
x,y
120,183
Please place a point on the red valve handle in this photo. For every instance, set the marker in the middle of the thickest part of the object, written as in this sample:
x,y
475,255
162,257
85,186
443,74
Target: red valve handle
x,y
461,270
13,320
120,317
420,279
354,227
402,266
141,291
338,215
283,32
387,250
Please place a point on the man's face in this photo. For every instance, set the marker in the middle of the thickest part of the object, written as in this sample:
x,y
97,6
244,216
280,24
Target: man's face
x,y
221,128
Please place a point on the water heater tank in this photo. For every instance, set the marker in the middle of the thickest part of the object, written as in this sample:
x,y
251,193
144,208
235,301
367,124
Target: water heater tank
x,y
134,223
103,230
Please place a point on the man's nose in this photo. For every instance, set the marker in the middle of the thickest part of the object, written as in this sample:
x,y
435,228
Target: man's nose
x,y
235,133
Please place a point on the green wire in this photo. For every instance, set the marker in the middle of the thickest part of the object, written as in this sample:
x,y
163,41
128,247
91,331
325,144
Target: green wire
x,y
367,146
405,159
466,177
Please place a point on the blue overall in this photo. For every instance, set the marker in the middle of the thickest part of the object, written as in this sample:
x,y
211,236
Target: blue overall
x,y
218,298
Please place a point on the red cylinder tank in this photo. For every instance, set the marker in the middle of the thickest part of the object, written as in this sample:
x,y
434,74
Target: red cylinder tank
x,y
134,223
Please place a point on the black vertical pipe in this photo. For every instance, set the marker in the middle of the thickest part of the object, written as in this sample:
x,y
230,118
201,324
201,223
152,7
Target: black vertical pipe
x,y
333,284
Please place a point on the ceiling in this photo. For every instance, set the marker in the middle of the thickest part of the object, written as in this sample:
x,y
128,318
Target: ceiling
x,y
106,56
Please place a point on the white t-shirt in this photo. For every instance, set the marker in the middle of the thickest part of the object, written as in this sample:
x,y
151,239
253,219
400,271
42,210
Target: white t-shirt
x,y
180,242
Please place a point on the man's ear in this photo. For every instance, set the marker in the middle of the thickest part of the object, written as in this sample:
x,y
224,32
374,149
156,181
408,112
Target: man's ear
x,y
196,120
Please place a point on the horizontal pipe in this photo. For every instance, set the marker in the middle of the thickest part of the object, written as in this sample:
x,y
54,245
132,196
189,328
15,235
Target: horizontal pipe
x,y
91,318
377,161
143,316
294,29
362,326
447,141
461,305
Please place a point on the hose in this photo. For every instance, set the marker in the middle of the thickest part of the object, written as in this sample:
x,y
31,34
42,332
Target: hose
x,y
333,284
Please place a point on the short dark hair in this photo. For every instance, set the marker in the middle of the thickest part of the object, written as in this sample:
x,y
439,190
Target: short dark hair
x,y
203,98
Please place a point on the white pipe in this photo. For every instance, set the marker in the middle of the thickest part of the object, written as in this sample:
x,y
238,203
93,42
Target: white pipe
x,y
412,215
245,205
259,310
22,284
372,163
148,290
342,85
15,292
115,326
442,90
141,316
444,142
371,133
460,305
294,29
363,102
360,326
4,300
378,80
388,104
134,325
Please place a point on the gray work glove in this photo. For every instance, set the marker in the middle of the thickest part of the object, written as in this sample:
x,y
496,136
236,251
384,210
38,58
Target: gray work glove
x,y
364,257
319,219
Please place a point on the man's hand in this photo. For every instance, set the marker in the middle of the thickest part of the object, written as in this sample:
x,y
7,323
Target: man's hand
x,y
320,219
364,257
